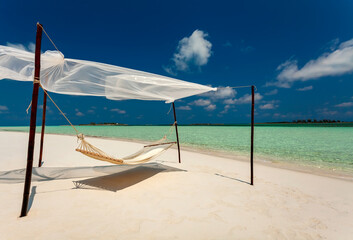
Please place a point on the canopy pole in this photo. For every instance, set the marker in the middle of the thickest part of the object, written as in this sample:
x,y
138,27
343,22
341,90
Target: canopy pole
x,y
43,129
252,136
176,131
32,130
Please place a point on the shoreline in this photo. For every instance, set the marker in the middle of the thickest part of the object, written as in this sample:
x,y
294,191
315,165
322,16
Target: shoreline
x,y
262,160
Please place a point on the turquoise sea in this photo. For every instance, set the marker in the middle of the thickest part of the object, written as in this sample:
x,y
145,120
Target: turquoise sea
x,y
319,147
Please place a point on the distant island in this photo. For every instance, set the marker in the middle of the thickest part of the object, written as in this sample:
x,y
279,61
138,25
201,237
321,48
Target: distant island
x,y
300,122
311,121
316,121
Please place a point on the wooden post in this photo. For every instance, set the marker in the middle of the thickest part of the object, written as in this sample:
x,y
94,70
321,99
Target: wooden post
x,y
43,129
252,136
176,131
32,130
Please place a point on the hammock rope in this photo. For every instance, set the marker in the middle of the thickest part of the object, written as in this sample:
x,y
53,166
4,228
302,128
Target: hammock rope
x,y
77,132
51,40
248,86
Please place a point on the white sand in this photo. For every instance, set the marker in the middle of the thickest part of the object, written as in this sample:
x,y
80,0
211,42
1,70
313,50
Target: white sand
x,y
209,200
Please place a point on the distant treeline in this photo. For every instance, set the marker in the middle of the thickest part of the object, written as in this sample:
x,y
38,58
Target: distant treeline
x,y
295,123
316,121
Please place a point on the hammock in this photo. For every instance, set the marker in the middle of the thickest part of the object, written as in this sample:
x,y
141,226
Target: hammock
x,y
146,154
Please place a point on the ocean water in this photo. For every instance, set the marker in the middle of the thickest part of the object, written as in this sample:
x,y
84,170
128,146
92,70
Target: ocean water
x,y
318,147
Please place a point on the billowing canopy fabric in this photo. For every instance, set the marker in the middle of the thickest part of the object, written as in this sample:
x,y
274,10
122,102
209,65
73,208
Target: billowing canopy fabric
x,y
79,77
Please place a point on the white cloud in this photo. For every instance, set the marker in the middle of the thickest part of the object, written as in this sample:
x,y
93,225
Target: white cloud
x,y
243,100
30,47
117,110
221,93
247,49
16,45
210,107
191,51
333,44
3,108
247,98
187,108
78,113
346,44
273,92
91,111
47,107
289,116
206,103
334,63
308,88
326,112
230,101
226,108
345,104
201,102
268,106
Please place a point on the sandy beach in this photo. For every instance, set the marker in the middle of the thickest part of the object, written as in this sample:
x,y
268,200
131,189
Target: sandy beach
x,y
204,197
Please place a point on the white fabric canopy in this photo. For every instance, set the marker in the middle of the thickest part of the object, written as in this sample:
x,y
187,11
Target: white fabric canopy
x,y
79,77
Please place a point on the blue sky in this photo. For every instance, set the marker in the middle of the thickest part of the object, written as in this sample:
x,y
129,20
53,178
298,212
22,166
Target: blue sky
x,y
299,54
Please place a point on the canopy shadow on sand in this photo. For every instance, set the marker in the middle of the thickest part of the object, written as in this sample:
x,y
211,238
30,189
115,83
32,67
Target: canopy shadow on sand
x,y
99,175
120,180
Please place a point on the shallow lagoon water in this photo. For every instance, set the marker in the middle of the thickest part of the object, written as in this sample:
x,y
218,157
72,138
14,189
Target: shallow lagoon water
x,y
321,147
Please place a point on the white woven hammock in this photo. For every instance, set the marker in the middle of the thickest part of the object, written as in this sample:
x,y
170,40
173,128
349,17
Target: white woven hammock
x,y
146,154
